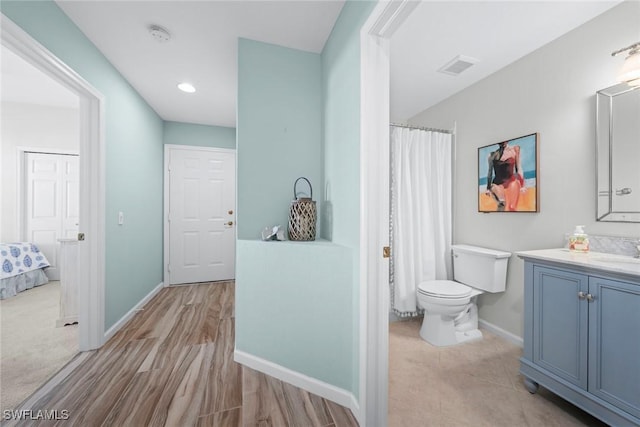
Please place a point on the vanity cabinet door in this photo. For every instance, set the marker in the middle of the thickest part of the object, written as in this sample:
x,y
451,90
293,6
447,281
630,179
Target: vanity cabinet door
x,y
560,323
614,343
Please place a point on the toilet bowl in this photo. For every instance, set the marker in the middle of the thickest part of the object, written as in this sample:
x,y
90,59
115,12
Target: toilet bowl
x,y
449,318
450,310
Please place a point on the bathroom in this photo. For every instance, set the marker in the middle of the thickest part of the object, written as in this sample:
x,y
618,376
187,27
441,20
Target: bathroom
x,y
551,92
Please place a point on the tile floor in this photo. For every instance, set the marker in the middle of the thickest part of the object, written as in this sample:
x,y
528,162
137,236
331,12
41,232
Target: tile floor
x,y
172,365
474,384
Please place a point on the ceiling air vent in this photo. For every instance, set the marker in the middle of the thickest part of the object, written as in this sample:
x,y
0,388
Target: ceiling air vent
x,y
457,65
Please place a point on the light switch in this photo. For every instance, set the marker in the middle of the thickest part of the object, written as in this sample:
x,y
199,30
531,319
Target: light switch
x,y
120,218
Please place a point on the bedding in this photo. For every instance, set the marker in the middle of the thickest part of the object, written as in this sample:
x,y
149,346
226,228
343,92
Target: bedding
x,y
21,267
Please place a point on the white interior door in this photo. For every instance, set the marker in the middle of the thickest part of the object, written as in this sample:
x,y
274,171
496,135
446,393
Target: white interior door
x,y
201,215
70,196
52,203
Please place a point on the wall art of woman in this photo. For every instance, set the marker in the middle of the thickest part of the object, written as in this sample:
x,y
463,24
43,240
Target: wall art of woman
x,y
507,186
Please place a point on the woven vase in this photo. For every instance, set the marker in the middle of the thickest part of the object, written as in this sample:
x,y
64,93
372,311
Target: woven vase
x,y
303,216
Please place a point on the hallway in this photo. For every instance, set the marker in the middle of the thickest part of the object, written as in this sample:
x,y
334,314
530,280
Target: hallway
x,y
172,365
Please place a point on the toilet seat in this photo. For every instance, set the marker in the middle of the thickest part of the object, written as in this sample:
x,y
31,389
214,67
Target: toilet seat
x,y
446,289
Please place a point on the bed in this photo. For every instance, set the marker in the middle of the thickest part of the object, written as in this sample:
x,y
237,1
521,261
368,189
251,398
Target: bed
x,y
21,267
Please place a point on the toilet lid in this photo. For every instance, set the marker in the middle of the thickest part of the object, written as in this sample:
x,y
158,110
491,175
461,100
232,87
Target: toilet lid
x,y
444,289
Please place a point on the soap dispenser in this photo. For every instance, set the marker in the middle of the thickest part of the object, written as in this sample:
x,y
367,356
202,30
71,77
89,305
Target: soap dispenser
x,y
579,241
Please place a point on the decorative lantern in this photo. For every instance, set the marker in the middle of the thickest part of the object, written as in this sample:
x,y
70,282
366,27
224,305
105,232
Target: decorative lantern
x,y
302,215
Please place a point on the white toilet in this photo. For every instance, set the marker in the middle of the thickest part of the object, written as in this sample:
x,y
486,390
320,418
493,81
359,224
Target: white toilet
x,y
450,311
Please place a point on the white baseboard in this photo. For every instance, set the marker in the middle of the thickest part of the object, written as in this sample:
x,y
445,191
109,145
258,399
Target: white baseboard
x,y
501,333
124,319
312,385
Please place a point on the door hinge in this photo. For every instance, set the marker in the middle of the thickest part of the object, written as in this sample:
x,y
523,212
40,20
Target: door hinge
x,y
386,252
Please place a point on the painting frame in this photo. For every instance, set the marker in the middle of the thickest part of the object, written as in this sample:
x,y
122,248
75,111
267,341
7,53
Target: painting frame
x,y
508,176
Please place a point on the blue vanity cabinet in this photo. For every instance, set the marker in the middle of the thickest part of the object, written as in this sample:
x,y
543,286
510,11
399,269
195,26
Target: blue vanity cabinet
x,y
582,338
560,323
614,343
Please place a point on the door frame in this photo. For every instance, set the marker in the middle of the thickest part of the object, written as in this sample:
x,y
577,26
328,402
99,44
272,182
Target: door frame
x,y
165,213
375,35
91,263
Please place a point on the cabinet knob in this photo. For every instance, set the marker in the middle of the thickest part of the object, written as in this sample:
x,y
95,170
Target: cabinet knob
x,y
581,295
590,298
230,223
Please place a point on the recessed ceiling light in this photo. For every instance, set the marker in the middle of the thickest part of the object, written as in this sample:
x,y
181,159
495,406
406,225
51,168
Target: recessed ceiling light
x,y
186,87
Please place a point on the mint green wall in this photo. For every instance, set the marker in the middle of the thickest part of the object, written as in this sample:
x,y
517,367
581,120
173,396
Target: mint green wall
x,y
178,133
299,114
291,306
341,94
134,152
292,309
279,132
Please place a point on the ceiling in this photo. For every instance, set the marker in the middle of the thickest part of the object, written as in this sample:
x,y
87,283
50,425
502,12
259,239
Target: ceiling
x,y
496,33
202,49
23,83
203,46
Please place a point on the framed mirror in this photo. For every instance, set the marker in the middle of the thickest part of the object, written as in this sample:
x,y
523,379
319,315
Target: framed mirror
x,y
618,153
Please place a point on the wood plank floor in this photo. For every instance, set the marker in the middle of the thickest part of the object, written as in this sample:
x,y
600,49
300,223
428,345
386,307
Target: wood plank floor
x,y
172,365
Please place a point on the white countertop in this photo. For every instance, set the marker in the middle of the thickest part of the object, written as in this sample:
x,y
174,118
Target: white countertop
x,y
592,260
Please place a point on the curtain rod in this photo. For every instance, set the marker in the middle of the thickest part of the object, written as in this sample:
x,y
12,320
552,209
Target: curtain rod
x,y
421,128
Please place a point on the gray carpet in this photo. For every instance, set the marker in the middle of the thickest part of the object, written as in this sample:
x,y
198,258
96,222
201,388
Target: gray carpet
x,y
474,384
32,349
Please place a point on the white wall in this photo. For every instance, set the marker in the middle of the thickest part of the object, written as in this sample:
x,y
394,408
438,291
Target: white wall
x,y
552,92
30,126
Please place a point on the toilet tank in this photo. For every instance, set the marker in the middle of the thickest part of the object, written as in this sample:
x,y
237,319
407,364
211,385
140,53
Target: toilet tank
x,y
480,268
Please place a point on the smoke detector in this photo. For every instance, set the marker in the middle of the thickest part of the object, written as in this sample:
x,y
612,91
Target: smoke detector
x,y
159,33
457,65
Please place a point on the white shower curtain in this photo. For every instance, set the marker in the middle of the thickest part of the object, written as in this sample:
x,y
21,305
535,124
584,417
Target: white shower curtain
x,y
420,213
